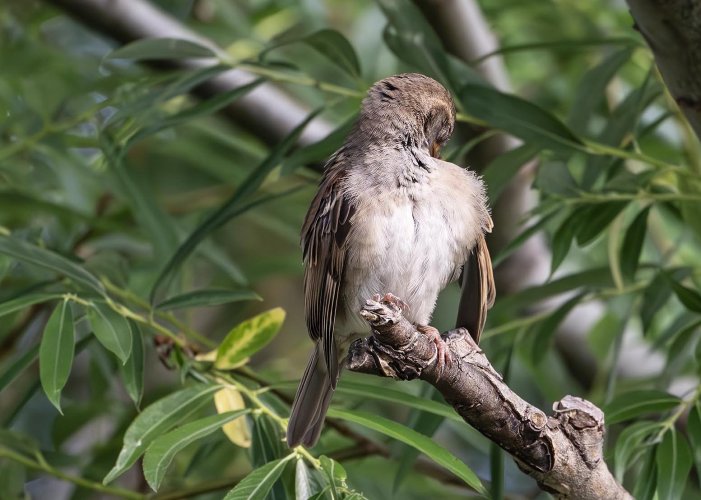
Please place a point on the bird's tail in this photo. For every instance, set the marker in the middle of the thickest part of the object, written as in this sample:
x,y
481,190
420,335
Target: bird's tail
x,y
311,403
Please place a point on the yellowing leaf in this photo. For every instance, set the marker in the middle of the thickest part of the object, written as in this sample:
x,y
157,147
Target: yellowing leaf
x,y
229,399
248,337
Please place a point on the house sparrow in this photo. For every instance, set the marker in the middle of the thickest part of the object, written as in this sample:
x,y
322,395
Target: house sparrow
x,y
390,217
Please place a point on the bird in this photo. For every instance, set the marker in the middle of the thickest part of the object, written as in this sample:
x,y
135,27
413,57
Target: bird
x,y
390,218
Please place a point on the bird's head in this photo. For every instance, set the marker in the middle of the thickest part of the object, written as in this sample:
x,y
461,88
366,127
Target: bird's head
x,y
412,108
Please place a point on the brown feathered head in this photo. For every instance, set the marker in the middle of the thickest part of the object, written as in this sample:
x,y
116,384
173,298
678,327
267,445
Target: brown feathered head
x,y
409,107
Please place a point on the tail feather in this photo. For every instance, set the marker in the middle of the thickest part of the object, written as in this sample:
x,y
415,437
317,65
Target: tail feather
x,y
311,403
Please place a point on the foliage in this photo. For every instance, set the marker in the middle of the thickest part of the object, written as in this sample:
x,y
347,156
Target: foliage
x,y
139,226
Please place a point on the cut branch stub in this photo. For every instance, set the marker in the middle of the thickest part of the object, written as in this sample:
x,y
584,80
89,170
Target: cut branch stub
x,y
562,452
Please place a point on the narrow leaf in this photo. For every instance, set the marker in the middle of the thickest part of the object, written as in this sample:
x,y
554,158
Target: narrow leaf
x,y
372,391
18,303
46,259
161,452
595,219
258,483
133,371
503,169
248,337
543,332
518,117
162,48
211,297
633,245
336,48
422,443
631,442
233,206
687,296
111,329
693,427
303,483
227,400
590,92
56,352
674,462
635,403
156,419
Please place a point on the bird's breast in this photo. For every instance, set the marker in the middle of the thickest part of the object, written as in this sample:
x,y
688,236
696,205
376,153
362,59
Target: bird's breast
x,y
410,242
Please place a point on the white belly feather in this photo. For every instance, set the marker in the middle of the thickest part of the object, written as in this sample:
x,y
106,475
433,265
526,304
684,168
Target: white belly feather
x,y
411,241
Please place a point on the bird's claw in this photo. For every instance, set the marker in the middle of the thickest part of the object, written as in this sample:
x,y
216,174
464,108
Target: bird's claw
x,y
443,356
390,298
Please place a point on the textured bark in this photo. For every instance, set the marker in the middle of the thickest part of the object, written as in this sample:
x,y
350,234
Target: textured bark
x,y
563,452
266,111
672,29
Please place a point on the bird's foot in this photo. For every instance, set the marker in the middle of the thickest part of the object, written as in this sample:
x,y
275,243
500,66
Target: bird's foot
x,y
443,355
390,298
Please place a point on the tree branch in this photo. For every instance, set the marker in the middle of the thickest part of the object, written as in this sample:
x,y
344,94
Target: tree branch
x,y
562,452
672,29
265,111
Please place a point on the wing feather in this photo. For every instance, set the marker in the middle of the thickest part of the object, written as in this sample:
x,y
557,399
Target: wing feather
x,y
478,290
324,241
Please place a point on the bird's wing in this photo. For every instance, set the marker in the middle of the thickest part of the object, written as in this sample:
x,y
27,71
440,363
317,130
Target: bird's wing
x,y
478,289
324,236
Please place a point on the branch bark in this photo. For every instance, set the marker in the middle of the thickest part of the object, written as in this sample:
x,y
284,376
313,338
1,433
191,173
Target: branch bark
x,y
563,452
266,111
672,29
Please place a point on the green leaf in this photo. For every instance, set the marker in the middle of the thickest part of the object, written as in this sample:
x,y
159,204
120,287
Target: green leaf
x,y
248,337
266,446
595,219
111,329
690,298
304,488
317,153
630,443
203,108
374,391
633,245
161,452
412,40
162,48
591,278
18,365
542,333
590,93
156,419
503,169
258,483
519,240
336,48
210,297
562,240
133,370
233,206
335,472
673,465
153,220
422,443
518,117
693,427
56,352
23,301
656,295
635,403
645,486
46,259
554,177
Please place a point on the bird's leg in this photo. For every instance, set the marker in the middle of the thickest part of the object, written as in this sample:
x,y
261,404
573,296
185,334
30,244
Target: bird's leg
x,y
443,357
